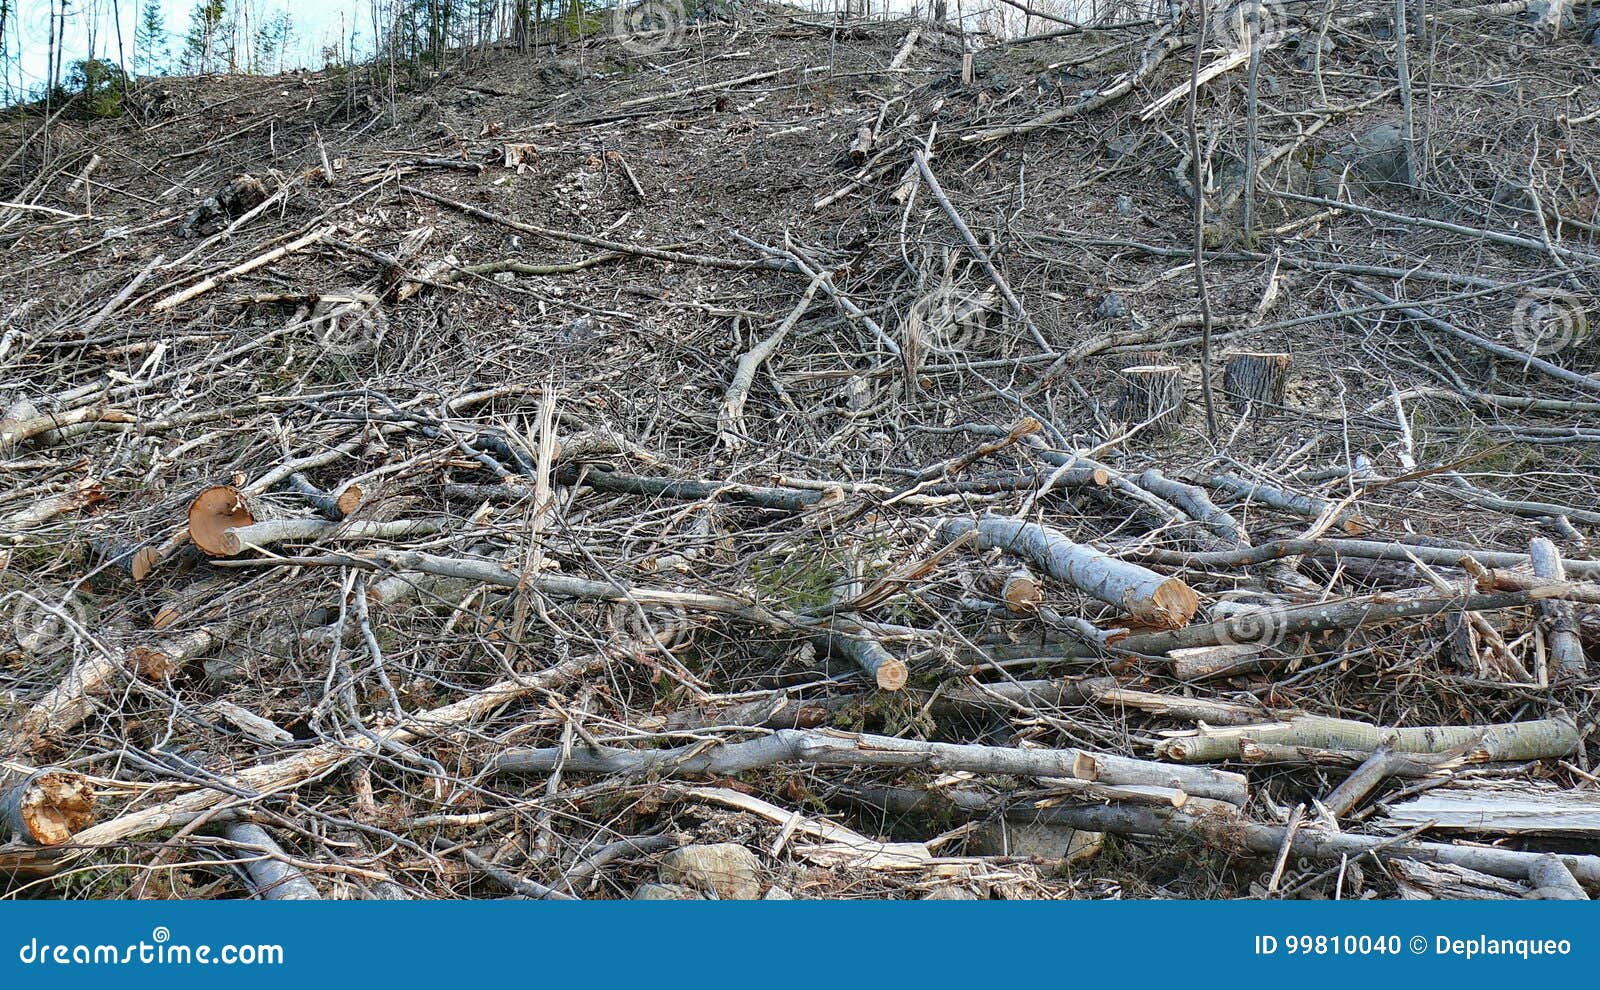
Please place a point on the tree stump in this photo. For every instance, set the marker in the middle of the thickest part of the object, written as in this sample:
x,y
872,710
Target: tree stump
x,y
1153,394
1255,382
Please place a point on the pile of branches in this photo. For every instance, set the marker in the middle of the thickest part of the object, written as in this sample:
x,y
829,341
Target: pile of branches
x,y
781,455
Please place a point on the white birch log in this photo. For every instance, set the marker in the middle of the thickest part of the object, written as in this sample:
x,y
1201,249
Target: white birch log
x,y
1152,599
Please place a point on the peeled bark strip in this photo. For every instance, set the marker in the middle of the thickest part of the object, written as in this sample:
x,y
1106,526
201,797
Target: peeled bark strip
x,y
47,807
850,749
1490,809
1254,384
1151,598
1152,394
1566,647
272,877
1548,738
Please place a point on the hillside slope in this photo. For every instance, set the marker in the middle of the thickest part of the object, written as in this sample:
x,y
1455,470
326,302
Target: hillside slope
x,y
755,433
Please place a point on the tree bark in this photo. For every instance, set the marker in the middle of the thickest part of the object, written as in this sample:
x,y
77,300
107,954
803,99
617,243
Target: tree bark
x,y
1254,384
1152,599
1152,395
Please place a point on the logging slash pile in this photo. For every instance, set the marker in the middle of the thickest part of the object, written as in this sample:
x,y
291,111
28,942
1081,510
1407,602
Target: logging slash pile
x,y
781,455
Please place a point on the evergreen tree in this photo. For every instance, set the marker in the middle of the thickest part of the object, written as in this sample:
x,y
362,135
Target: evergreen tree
x,y
152,49
204,47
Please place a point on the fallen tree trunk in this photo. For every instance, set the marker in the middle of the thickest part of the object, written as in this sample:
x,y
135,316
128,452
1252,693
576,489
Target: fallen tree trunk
x,y
1245,837
46,807
272,876
1566,647
1367,549
1548,738
826,748
1151,598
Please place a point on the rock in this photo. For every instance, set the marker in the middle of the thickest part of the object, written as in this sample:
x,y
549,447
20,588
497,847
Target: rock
x,y
1125,206
950,892
1050,842
237,197
777,894
564,70
1591,27
665,892
1111,307
1123,145
1374,160
1226,183
1305,53
726,869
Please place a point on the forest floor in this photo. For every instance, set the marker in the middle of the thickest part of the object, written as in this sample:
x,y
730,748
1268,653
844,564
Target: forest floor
x,y
752,459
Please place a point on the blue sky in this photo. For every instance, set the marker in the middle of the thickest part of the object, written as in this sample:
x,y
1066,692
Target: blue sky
x,y
316,23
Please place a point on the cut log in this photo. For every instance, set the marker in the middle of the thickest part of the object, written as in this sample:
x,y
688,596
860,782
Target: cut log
x,y
218,509
235,539
132,559
328,505
1016,589
1255,383
827,748
273,878
1566,647
1152,394
851,641
47,807
1150,598
1537,740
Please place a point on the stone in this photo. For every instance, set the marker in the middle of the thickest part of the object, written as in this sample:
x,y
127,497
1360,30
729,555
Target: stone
x,y
727,869
1122,146
1111,307
1125,206
1049,842
665,892
950,892
1373,160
